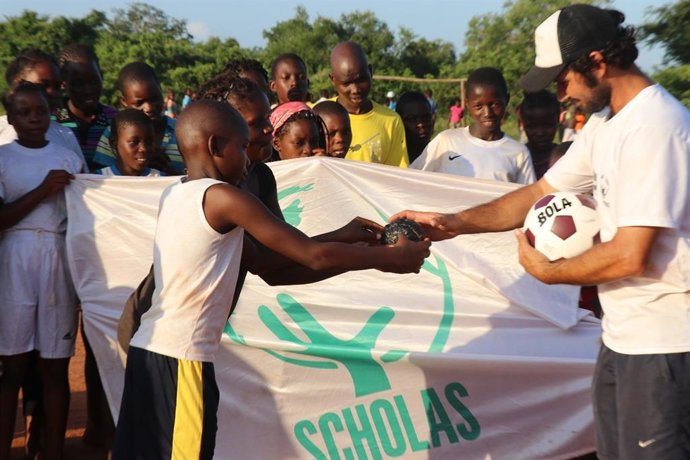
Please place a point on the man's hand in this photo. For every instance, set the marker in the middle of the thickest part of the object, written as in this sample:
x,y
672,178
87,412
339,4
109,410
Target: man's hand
x,y
534,262
437,225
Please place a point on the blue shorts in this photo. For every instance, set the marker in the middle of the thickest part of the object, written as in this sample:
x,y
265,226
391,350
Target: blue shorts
x,y
168,408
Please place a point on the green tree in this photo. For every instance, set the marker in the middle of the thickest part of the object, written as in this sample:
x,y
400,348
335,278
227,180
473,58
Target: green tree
x,y
388,54
422,57
138,33
505,40
669,27
374,36
313,41
299,35
142,18
677,81
145,33
32,30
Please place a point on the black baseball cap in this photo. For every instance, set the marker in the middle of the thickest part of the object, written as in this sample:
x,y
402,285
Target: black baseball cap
x,y
565,36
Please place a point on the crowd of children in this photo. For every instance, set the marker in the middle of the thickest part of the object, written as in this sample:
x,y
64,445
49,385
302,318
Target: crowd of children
x,y
45,139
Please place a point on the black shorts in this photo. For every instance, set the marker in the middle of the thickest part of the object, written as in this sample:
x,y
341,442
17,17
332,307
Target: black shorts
x,y
168,408
642,405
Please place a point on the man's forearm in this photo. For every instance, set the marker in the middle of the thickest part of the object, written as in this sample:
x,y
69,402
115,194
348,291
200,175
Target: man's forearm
x,y
504,213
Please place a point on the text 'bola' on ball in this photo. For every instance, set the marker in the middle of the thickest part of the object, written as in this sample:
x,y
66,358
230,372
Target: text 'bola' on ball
x,y
562,225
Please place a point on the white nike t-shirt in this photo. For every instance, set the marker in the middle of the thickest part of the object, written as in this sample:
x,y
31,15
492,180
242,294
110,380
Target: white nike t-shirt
x,y
456,151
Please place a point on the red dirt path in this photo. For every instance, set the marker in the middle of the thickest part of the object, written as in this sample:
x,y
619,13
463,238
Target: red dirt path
x,y
75,449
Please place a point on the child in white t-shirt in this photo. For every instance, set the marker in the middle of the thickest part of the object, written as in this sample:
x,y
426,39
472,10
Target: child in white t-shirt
x,y
38,303
35,66
481,150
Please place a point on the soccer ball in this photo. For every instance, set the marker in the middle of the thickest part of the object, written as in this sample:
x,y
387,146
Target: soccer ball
x,y
411,229
562,224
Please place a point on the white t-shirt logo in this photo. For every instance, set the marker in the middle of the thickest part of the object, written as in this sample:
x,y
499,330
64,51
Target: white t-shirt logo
x,y
601,188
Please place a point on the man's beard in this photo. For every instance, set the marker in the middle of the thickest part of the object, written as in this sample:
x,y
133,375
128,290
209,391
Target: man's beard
x,y
600,98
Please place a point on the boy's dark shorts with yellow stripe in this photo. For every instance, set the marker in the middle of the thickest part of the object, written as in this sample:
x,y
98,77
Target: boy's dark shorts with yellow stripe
x,y
168,409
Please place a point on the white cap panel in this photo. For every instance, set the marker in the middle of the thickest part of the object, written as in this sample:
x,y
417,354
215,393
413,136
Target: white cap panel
x,y
546,43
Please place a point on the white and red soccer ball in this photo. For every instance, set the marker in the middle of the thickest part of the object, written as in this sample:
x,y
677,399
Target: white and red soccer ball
x,y
562,224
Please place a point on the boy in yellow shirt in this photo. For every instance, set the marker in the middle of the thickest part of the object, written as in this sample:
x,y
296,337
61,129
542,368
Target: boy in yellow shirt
x,y
378,134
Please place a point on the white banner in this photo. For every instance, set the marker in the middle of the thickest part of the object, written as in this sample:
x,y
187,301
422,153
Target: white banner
x,y
471,358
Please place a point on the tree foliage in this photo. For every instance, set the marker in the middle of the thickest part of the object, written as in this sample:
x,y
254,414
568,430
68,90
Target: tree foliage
x,y
139,33
31,29
503,39
677,81
141,18
422,57
388,54
670,28
145,33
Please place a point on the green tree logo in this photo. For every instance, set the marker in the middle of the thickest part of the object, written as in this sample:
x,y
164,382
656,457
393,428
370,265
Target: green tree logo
x,y
355,354
293,211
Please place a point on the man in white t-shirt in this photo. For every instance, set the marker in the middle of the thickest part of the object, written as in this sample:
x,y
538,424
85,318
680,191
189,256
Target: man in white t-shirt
x,y
634,156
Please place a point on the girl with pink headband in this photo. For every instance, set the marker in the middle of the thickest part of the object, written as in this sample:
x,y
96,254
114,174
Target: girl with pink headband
x,y
297,132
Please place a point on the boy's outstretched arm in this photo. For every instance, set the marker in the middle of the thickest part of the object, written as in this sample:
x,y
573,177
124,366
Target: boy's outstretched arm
x,y
276,269
358,230
504,213
12,213
226,207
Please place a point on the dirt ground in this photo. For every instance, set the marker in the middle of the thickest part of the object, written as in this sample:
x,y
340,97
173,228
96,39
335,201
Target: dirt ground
x,y
75,449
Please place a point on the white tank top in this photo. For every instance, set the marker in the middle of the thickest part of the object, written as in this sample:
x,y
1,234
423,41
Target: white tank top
x,y
195,269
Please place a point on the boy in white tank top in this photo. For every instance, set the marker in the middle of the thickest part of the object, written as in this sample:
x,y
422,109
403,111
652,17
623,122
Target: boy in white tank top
x,y
170,356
